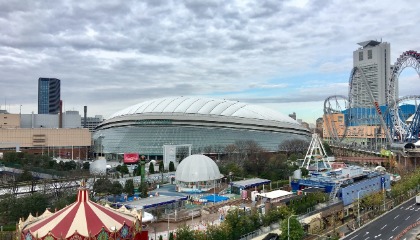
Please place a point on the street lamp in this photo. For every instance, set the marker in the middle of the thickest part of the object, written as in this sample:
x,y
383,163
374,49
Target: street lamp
x,y
168,222
358,205
288,226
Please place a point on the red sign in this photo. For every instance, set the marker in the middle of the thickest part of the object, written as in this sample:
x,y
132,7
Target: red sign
x,y
131,157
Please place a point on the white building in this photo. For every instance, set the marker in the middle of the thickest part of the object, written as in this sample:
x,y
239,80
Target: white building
x,y
197,173
373,58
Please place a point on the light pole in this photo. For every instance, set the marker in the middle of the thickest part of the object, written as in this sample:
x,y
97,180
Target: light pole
x,y
288,226
168,222
358,205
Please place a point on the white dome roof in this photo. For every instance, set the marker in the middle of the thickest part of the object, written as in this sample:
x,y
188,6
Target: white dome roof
x,y
205,106
196,168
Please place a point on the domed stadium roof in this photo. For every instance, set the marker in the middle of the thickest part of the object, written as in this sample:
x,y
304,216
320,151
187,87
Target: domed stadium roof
x,y
196,168
205,106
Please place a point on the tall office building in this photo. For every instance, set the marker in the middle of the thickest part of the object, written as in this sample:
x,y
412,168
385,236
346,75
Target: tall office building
x,y
373,58
48,96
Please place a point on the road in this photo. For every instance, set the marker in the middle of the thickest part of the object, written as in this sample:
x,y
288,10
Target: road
x,y
390,224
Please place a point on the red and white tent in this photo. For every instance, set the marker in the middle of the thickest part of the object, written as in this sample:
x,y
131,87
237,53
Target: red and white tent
x,y
81,220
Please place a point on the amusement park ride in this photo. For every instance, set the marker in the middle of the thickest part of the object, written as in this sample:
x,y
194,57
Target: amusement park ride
x,y
385,126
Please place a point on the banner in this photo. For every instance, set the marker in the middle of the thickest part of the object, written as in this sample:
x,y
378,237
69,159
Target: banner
x,y
131,158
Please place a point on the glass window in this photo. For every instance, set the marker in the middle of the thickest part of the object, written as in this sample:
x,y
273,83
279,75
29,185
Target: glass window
x,y
369,54
361,56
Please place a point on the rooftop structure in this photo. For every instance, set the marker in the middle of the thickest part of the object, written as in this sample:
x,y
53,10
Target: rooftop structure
x,y
374,58
250,183
202,122
152,202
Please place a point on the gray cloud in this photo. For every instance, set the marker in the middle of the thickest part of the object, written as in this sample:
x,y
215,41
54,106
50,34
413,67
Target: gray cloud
x,y
110,53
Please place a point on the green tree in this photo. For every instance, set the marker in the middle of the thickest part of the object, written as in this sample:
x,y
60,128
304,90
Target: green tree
x,y
116,189
160,237
63,201
240,222
102,186
295,229
184,233
70,165
151,168
171,166
123,170
129,187
221,232
86,166
171,236
305,171
327,149
161,166
12,208
25,176
143,189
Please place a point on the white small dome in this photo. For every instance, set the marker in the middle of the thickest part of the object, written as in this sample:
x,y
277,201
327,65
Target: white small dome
x,y
196,168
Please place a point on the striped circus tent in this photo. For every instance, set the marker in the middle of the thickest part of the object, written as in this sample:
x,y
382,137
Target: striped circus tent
x,y
83,220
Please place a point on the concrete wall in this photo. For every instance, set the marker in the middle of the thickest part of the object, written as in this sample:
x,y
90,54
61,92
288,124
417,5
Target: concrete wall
x,y
45,137
371,185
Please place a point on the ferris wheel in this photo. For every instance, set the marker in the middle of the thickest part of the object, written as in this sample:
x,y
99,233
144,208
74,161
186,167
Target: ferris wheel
x,y
333,119
399,129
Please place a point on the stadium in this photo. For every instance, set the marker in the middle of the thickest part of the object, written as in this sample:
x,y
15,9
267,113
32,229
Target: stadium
x,y
204,123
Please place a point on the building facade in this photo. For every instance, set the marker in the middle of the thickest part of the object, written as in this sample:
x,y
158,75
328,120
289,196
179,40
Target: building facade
x,y
70,119
202,122
374,58
48,95
40,134
92,122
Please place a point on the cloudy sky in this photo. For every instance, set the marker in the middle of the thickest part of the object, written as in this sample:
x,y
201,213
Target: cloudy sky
x,y
286,55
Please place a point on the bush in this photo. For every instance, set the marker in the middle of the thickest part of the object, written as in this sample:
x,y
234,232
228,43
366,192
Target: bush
x,y
171,166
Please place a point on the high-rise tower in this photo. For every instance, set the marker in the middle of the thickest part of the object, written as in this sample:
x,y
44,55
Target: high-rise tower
x,y
373,58
48,96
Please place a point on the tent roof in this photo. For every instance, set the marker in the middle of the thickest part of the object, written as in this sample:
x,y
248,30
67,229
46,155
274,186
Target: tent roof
x,y
83,216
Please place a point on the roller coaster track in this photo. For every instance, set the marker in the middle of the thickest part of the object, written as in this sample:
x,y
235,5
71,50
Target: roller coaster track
x,y
396,130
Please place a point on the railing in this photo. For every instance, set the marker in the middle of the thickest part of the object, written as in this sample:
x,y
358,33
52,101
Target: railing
x,y
251,235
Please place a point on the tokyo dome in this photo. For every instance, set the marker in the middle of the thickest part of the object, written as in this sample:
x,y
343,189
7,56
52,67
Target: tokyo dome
x,y
201,122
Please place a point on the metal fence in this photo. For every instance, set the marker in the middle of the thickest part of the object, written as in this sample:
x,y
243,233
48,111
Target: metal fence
x,y
8,235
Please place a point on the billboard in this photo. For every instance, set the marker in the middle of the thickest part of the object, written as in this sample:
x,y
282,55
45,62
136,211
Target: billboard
x,y
131,158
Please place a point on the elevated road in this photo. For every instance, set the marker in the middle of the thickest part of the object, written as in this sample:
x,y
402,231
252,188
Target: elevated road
x,y
389,225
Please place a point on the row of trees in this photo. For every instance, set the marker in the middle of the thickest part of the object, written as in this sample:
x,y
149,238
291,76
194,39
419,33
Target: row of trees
x,y
104,186
238,223
161,167
40,162
12,208
249,159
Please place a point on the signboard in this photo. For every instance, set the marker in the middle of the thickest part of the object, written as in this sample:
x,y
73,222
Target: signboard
x,y
244,194
131,158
